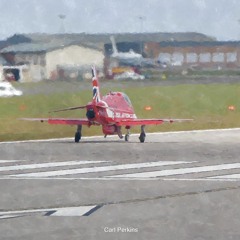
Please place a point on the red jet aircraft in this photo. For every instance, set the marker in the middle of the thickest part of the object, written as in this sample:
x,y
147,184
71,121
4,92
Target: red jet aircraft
x,y
111,111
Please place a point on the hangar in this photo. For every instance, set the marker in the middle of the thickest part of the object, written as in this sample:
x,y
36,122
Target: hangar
x,y
206,54
38,61
34,57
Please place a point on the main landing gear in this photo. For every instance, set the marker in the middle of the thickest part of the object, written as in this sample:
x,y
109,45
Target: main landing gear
x,y
119,132
141,137
127,135
78,134
143,134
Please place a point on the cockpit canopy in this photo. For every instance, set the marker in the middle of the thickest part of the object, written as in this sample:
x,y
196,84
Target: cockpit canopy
x,y
113,99
126,98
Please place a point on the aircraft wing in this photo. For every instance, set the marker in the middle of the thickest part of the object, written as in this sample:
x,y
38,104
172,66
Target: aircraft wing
x,y
84,121
136,122
67,121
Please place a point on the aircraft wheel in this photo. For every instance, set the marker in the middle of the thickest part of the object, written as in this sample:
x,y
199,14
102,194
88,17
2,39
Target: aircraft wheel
x,y
77,137
142,137
127,137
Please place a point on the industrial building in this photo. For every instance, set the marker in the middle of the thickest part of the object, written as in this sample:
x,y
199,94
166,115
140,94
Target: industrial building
x,y
34,57
206,54
38,61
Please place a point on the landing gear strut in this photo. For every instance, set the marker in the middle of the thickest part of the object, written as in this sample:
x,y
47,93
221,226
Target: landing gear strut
x,y
78,134
143,134
127,135
119,132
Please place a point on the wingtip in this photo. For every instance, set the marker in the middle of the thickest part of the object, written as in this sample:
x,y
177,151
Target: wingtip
x,y
34,119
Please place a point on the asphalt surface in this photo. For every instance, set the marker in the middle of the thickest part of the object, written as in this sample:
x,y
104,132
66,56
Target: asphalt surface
x,y
182,185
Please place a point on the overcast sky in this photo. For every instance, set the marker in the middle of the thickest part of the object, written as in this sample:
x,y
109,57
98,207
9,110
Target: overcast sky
x,y
217,18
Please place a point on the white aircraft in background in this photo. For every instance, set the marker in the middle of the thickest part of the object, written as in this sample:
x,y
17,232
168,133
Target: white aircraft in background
x,y
123,55
130,58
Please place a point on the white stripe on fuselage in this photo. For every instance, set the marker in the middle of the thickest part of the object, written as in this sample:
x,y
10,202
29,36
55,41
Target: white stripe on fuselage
x,y
125,115
111,113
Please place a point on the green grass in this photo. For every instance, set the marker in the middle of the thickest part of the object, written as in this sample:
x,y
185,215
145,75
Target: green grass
x,y
206,104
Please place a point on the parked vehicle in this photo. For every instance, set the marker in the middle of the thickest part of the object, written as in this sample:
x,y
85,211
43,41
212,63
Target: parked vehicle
x,y
129,75
7,90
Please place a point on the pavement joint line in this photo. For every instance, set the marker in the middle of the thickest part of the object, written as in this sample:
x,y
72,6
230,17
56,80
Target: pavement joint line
x,y
134,134
100,205
171,196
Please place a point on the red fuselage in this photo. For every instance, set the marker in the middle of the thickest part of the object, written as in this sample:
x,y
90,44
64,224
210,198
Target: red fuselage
x,y
113,108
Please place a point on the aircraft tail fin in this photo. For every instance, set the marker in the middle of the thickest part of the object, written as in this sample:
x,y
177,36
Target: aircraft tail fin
x,y
95,85
114,45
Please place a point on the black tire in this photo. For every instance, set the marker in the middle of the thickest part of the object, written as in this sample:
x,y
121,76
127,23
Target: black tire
x,y
77,137
127,137
142,137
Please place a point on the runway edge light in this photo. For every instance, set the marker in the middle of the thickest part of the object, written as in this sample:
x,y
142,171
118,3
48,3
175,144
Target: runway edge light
x,y
231,108
148,108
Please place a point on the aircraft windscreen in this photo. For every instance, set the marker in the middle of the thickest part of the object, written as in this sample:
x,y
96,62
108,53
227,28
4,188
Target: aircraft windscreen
x,y
127,99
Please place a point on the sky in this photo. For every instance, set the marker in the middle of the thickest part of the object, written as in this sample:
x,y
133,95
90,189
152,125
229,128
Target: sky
x,y
215,18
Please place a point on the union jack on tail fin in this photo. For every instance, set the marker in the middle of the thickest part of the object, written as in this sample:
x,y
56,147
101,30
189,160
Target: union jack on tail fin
x,y
95,85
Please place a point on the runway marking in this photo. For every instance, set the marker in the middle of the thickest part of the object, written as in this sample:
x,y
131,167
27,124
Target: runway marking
x,y
99,169
10,161
180,171
46,165
126,179
57,212
101,137
228,176
52,140
137,173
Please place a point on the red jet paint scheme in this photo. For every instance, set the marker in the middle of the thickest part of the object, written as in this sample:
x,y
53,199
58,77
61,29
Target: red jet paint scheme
x,y
111,112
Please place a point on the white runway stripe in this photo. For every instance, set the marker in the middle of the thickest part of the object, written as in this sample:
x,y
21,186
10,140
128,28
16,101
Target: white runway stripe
x,y
181,171
100,169
46,165
10,161
66,212
229,176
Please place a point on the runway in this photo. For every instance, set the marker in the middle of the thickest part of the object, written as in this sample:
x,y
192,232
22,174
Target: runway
x,y
179,185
